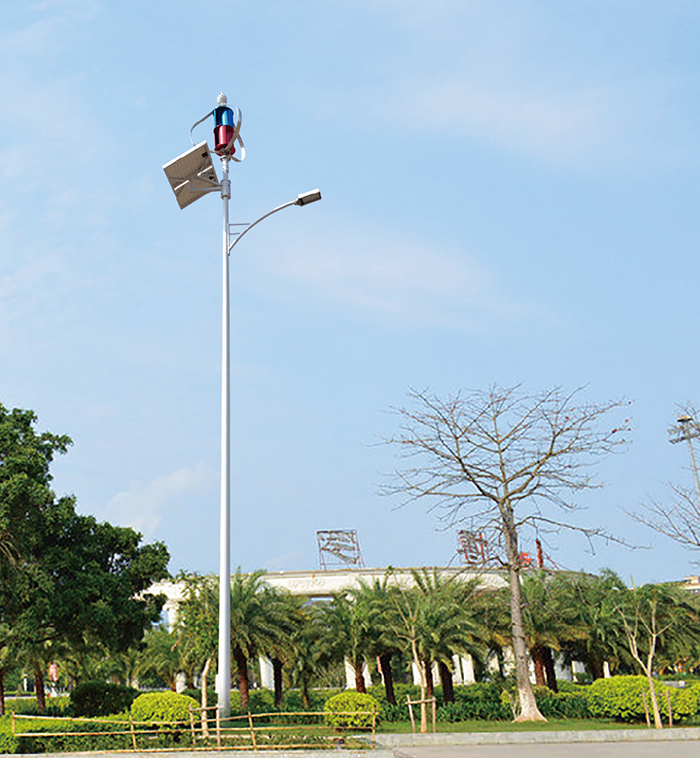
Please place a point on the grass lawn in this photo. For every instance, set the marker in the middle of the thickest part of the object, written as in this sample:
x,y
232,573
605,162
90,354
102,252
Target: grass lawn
x,y
555,725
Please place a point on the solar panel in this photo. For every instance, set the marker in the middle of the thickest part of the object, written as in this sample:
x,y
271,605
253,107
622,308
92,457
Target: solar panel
x,y
192,175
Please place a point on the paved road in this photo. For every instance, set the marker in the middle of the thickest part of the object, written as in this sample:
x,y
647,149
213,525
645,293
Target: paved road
x,y
538,750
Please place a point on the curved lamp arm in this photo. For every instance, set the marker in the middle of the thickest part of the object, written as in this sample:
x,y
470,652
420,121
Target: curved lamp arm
x,y
304,199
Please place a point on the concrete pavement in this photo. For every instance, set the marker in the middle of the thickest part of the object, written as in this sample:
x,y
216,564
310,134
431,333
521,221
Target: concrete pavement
x,y
620,743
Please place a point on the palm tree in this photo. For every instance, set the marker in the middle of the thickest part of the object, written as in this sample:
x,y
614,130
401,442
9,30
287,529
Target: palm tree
x,y
286,609
347,633
160,657
259,623
595,599
308,654
373,602
446,624
550,619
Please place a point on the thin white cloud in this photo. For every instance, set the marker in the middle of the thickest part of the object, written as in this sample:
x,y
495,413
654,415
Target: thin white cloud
x,y
144,504
614,122
399,279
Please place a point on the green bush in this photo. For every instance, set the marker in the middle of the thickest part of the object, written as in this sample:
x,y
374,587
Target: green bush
x,y
622,698
565,685
8,742
352,709
482,701
162,707
55,706
562,705
101,699
82,736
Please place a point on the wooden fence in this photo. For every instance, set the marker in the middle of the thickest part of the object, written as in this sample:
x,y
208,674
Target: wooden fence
x,y
234,732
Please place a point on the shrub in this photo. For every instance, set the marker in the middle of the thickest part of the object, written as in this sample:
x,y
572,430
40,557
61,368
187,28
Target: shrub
x,y
162,707
478,701
55,706
100,699
8,742
562,705
565,685
622,698
352,709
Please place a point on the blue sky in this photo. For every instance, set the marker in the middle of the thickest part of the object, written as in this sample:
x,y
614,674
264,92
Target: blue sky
x,y
510,196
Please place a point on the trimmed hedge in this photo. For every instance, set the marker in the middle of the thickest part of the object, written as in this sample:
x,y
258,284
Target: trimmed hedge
x,y
160,707
562,705
621,698
101,699
352,709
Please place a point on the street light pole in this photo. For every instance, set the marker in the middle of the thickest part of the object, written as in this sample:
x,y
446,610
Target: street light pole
x,y
688,430
192,175
223,689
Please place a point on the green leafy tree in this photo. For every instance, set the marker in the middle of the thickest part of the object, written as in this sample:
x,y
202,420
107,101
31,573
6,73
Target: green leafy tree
x,y
25,495
655,615
72,581
198,629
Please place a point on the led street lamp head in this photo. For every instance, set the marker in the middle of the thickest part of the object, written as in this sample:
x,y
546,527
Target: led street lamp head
x,y
308,197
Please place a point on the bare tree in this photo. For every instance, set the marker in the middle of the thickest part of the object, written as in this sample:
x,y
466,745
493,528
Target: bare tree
x,y
504,461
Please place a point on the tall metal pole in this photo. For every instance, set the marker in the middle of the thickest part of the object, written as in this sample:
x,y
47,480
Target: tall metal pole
x,y
686,430
224,669
693,464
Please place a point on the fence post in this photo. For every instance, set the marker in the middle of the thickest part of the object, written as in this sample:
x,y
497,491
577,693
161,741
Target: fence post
x,y
670,712
434,715
252,732
194,736
374,726
218,728
133,733
410,711
14,732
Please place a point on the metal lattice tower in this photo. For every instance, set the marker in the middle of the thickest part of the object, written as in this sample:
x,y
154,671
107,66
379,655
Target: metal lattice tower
x,y
473,547
338,548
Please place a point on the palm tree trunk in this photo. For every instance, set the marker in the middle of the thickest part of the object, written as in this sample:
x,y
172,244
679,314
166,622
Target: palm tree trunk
x,y
2,693
305,694
448,692
360,685
39,689
277,678
549,669
242,670
596,667
429,685
388,677
537,654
